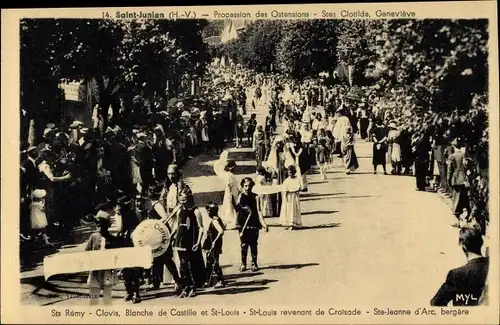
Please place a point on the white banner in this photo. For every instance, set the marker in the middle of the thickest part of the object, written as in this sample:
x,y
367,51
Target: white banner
x,y
268,189
106,259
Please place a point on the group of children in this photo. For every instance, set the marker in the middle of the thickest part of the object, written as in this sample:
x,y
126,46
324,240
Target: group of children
x,y
116,224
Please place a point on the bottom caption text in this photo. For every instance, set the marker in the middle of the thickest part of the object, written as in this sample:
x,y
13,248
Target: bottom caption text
x,y
258,312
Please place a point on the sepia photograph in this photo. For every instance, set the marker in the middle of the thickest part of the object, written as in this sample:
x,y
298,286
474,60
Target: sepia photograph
x,y
234,163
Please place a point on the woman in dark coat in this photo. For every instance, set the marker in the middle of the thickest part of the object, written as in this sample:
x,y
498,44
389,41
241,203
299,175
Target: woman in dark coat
x,y
379,146
422,161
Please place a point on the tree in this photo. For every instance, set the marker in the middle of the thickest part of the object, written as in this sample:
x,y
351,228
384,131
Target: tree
x,y
39,82
353,48
440,64
307,48
91,50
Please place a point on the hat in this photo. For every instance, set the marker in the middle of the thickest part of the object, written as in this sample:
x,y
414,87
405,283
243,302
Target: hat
x,y
104,206
39,194
46,132
50,126
392,125
141,135
84,130
30,149
102,216
109,130
123,200
76,124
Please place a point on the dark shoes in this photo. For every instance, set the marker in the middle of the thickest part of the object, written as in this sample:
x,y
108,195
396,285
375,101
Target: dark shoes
x,y
135,298
219,285
154,287
188,293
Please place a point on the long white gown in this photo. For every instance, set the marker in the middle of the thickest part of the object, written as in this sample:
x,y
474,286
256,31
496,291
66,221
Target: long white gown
x,y
231,191
290,206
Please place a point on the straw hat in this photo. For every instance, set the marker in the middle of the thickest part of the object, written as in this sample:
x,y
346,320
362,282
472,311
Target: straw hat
x,y
46,132
76,124
103,217
39,194
84,130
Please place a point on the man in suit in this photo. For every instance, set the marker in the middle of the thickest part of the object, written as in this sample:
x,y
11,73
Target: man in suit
x,y
457,179
464,286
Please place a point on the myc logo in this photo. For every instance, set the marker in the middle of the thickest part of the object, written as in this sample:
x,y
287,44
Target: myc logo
x,y
465,298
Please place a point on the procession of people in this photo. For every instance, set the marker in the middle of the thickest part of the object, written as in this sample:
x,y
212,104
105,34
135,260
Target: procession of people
x,y
129,172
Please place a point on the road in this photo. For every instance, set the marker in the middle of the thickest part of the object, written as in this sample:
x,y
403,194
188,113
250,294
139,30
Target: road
x,y
368,240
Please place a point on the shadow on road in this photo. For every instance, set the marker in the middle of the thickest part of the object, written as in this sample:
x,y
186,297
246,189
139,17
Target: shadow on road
x,y
341,197
323,226
244,170
232,291
253,283
320,182
318,212
307,195
163,294
241,155
204,198
288,266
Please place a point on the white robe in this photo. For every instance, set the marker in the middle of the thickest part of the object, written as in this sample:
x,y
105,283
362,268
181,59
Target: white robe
x,y
231,192
340,129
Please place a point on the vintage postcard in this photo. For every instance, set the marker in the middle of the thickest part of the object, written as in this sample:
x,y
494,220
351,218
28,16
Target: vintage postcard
x,y
278,164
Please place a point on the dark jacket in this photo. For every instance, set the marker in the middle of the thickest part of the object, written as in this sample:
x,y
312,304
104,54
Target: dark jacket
x,y
464,285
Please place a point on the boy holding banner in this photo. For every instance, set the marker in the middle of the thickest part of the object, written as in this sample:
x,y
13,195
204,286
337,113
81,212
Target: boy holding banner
x,y
102,279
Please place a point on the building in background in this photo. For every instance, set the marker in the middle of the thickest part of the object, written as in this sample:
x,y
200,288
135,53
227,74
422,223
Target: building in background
x,y
77,103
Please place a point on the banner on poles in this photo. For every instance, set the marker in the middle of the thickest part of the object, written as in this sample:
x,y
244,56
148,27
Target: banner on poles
x,y
107,259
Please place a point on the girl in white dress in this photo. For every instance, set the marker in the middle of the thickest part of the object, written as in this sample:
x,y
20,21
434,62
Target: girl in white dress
x,y
224,169
266,205
38,217
290,216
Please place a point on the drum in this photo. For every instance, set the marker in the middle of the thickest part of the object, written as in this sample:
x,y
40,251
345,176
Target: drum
x,y
153,233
